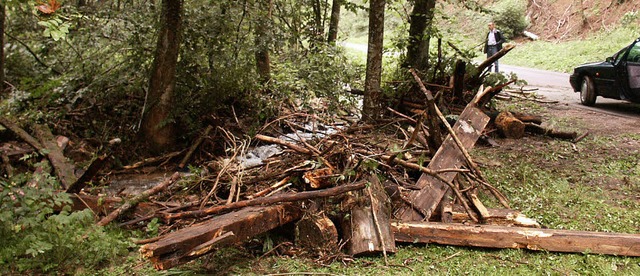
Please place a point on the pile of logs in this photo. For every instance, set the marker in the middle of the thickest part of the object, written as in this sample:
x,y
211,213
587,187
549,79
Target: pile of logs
x,y
410,179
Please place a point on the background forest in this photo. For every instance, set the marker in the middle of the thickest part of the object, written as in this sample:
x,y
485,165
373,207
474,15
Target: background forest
x,y
153,74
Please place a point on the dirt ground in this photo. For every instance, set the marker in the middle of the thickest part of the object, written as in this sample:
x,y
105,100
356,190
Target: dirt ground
x,y
571,19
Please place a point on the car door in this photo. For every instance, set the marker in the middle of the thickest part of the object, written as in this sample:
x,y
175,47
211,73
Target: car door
x,y
605,77
628,73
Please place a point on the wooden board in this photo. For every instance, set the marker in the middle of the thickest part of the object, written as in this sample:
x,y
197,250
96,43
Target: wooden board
x,y
187,244
468,128
490,236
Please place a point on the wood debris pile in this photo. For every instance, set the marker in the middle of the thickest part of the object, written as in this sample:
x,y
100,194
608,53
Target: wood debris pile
x,y
360,188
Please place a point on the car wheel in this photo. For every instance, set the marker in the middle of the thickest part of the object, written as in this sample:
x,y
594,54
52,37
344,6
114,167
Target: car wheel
x,y
587,92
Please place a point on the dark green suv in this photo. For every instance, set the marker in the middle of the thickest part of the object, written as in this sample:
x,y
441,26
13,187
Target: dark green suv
x,y
618,77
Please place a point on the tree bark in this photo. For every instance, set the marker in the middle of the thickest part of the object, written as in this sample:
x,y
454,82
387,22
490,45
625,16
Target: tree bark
x,y
157,125
334,22
2,18
189,243
372,106
490,236
262,41
419,36
367,227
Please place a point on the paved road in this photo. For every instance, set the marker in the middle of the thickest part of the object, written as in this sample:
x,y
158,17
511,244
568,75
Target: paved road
x,y
555,87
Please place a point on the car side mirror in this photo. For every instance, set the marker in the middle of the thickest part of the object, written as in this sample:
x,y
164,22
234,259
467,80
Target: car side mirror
x,y
609,59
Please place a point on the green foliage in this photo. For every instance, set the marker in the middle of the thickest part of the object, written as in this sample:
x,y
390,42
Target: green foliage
x,y
629,19
38,239
55,28
510,17
321,74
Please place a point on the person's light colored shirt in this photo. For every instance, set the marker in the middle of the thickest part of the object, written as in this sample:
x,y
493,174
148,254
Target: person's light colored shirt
x,y
491,38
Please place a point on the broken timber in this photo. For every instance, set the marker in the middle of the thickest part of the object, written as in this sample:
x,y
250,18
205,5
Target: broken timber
x,y
468,128
491,236
190,243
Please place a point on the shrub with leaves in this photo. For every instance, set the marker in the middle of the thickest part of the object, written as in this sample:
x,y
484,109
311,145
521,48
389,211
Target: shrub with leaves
x,y
511,17
38,239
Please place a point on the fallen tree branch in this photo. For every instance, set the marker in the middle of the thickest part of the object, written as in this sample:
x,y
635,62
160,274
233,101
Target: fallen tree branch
x,y
152,160
193,148
61,166
137,199
533,128
266,200
21,133
283,143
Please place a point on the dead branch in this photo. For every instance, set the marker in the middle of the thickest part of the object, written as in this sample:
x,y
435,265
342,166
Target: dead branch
x,y
91,172
137,199
282,143
266,201
195,145
61,166
20,133
152,160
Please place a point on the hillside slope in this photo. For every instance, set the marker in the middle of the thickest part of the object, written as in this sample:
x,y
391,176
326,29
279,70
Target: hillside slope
x,y
570,19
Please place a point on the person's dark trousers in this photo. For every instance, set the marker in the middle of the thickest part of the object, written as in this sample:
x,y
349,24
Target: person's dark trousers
x,y
492,50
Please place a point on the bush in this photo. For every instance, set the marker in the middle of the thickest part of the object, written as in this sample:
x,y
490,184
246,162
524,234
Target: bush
x,y
36,239
510,17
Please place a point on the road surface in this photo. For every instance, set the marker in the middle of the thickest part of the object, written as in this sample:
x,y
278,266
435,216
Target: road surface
x,y
554,86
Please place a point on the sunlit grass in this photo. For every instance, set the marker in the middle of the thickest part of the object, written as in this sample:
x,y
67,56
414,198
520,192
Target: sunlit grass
x,y
563,57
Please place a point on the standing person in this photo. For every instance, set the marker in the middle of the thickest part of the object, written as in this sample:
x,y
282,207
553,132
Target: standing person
x,y
493,43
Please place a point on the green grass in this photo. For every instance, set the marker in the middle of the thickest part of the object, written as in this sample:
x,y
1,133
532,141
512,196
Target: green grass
x,y
563,57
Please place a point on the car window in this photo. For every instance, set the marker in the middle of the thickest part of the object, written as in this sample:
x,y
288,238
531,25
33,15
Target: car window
x,y
634,53
618,56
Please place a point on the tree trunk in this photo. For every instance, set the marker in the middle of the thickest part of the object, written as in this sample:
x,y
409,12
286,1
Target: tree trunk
x,y
372,106
318,28
2,17
157,125
419,37
262,40
334,22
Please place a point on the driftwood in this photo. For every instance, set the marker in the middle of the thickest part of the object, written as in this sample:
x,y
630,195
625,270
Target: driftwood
x,y
491,236
266,200
137,199
62,168
189,243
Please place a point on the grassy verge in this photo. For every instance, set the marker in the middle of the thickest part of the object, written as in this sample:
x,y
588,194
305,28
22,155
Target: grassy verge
x,y
563,57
